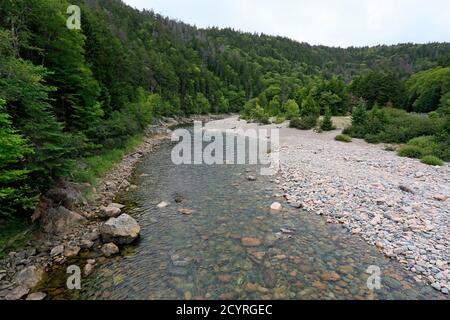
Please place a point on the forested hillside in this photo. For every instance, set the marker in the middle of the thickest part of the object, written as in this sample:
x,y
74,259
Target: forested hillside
x,y
66,95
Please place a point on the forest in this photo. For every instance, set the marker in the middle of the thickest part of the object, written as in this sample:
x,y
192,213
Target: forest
x,y
70,96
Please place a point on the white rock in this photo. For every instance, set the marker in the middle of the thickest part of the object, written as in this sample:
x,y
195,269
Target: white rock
x,y
276,207
163,205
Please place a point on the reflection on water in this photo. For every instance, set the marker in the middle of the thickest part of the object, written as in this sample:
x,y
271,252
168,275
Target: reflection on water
x,y
201,256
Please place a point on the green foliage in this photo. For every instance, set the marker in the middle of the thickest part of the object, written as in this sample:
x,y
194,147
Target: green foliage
x,y
343,138
23,87
359,115
15,232
81,95
274,107
379,88
310,107
279,120
13,149
253,111
410,151
327,122
91,168
392,125
292,109
437,146
428,90
307,122
432,161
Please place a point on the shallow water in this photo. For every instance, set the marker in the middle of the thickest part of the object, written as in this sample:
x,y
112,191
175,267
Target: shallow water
x,y
201,256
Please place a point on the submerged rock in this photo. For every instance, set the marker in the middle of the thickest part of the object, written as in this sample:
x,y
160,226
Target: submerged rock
x,y
163,205
276,207
330,276
250,242
88,269
121,230
110,249
186,211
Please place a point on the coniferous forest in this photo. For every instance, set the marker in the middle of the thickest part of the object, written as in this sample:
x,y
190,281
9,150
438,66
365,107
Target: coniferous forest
x,y
67,96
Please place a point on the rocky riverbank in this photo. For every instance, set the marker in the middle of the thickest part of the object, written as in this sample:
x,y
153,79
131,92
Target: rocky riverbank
x,y
71,225
397,204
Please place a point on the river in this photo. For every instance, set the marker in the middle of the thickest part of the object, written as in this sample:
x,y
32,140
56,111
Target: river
x,y
201,256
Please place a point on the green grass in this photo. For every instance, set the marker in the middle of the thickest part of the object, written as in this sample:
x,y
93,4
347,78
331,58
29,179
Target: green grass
x,y
432,161
343,138
14,234
92,168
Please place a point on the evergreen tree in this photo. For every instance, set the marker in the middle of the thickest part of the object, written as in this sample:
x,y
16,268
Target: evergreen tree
x,y
292,109
327,123
359,115
13,149
22,86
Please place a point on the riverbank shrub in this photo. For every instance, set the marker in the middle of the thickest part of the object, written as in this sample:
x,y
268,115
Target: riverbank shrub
x,y
343,138
432,161
393,125
410,151
307,122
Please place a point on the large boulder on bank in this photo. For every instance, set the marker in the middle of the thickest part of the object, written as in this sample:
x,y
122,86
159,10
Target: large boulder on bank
x,y
66,194
61,221
121,230
29,277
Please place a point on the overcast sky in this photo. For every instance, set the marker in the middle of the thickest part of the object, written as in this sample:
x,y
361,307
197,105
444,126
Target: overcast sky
x,y
329,22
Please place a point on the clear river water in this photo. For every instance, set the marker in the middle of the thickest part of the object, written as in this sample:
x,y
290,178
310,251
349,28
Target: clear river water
x,y
201,256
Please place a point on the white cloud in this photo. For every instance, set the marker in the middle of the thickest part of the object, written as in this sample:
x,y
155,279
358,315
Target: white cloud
x,y
328,22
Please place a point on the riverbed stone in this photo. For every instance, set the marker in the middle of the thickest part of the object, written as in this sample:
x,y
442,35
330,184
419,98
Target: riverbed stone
x,y
162,205
186,211
110,249
276,207
88,269
224,278
330,276
120,231
250,242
